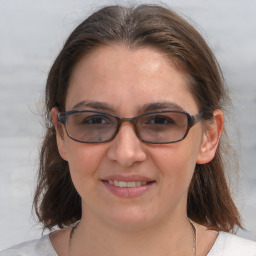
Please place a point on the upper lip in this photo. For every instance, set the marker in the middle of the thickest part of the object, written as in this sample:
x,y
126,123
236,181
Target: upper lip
x,y
127,178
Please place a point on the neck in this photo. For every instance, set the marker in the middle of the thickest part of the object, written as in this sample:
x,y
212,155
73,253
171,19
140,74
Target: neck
x,y
92,238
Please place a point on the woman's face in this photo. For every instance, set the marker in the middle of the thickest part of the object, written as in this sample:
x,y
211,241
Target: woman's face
x,y
120,81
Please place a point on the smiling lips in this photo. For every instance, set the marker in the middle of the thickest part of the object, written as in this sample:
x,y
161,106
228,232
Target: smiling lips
x,y
126,187
127,184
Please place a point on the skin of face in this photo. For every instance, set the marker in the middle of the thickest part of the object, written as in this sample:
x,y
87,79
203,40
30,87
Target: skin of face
x,y
126,80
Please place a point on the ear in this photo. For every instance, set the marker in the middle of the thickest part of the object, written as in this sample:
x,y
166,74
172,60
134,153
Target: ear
x,y
59,133
211,137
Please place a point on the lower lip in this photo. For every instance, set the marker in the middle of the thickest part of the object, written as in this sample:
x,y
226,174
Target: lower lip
x,y
128,192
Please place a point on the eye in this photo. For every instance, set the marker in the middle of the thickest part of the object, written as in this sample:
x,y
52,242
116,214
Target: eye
x,y
97,120
159,120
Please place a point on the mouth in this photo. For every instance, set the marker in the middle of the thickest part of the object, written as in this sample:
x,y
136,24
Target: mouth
x,y
128,184
128,187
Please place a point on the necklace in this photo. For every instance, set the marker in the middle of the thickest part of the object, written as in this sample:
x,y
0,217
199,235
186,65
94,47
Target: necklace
x,y
73,227
194,238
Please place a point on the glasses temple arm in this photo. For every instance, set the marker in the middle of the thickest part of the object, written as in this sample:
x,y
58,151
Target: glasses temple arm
x,y
62,118
196,118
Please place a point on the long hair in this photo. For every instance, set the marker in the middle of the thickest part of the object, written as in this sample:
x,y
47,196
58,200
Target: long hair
x,y
56,201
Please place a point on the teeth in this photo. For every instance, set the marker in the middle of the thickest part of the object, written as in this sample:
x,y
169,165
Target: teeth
x,y
128,184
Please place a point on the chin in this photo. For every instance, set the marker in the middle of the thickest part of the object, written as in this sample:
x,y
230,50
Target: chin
x,y
130,220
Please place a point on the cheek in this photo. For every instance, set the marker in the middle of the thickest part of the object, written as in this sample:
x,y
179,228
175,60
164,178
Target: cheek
x,y
83,160
177,162
175,174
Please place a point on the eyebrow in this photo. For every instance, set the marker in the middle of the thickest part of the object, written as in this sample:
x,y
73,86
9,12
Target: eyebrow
x,y
155,106
161,106
93,104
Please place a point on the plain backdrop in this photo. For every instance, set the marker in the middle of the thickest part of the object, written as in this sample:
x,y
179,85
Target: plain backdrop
x,y
31,35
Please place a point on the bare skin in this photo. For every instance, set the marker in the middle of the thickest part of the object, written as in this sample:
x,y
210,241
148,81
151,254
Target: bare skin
x,y
60,241
205,240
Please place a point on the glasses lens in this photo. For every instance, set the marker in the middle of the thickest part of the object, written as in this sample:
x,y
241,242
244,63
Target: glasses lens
x,y
91,126
162,127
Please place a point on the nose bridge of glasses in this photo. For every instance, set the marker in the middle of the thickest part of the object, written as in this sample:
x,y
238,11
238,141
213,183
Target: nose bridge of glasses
x,y
128,119
131,120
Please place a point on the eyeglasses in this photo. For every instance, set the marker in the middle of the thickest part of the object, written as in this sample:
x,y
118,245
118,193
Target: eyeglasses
x,y
159,127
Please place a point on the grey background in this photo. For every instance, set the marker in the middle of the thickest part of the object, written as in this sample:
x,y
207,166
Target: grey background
x,y
32,33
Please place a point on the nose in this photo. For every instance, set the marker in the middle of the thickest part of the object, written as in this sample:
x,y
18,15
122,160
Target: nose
x,y
126,148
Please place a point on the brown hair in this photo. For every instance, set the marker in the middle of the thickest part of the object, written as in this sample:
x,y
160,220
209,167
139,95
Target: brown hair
x,y
56,201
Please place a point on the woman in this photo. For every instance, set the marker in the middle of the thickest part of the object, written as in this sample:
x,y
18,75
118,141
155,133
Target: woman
x,y
133,163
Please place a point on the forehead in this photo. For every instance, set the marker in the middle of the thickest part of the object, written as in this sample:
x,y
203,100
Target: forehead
x,y
127,78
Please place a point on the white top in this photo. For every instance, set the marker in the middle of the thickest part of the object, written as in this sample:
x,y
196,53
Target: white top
x,y
225,245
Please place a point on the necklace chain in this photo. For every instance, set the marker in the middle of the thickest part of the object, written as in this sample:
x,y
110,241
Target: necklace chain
x,y
76,224
73,227
194,238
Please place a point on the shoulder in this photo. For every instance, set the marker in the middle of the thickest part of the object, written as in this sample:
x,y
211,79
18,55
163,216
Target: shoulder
x,y
39,247
231,245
